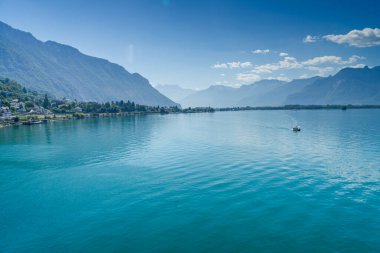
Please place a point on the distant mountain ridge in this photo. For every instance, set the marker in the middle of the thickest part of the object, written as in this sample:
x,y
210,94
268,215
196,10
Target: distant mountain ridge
x,y
63,71
174,92
357,86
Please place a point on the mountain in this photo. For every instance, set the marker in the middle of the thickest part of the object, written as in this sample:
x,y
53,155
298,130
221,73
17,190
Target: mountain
x,y
174,92
254,94
278,95
63,71
357,86
214,96
224,96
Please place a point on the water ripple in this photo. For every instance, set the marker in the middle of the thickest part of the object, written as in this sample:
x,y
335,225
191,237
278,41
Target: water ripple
x,y
223,182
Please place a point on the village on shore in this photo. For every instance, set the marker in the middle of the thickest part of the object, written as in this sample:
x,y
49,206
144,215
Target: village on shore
x,y
17,113
20,106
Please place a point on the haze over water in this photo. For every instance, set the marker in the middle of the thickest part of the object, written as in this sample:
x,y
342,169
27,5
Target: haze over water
x,y
212,182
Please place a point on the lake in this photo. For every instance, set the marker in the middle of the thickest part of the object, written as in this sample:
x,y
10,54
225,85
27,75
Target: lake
x,y
208,182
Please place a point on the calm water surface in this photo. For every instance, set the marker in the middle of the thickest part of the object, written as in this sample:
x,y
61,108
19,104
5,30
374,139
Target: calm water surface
x,y
221,182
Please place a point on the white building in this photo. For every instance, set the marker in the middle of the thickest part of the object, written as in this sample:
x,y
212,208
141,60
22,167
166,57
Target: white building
x,y
19,106
40,110
5,113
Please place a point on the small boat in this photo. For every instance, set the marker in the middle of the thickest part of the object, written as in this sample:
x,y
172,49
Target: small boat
x,y
296,129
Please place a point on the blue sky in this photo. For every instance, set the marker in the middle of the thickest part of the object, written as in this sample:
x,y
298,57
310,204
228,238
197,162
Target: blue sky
x,y
196,44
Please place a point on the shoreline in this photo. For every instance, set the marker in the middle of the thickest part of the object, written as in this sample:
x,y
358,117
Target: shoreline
x,y
299,107
41,119
36,119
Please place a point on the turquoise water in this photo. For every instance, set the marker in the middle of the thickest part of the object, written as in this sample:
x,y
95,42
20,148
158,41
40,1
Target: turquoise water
x,y
221,182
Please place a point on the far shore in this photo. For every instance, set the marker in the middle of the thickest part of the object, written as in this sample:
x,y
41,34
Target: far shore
x,y
299,107
18,120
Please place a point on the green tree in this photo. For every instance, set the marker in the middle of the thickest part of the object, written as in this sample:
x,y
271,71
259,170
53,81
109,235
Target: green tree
x,y
46,103
29,104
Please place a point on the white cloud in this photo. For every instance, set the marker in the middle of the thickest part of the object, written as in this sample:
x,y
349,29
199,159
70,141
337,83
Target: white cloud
x,y
289,63
238,64
286,63
323,59
368,37
248,77
232,65
324,65
357,66
261,51
320,65
264,69
322,71
279,78
220,66
246,64
310,39
331,59
355,58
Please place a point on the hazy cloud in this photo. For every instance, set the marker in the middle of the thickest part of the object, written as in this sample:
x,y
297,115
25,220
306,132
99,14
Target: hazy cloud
x,y
322,71
248,77
323,65
368,37
220,66
332,59
304,76
289,63
261,51
310,39
232,65
238,64
279,78
246,64
286,63
320,65
359,65
264,69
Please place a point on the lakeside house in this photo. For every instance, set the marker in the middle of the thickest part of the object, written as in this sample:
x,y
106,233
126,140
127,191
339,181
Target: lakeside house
x,y
78,109
5,112
17,105
40,110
